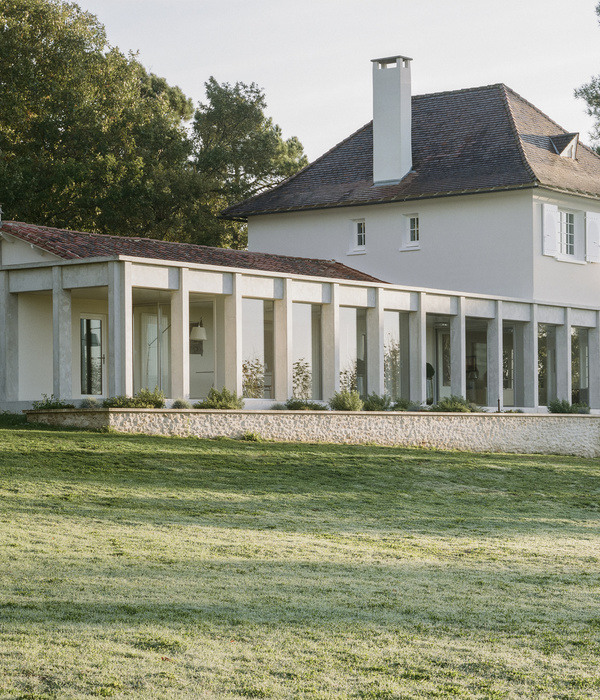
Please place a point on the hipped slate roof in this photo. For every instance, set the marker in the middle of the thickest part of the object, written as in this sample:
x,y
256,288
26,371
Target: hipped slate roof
x,y
76,245
467,141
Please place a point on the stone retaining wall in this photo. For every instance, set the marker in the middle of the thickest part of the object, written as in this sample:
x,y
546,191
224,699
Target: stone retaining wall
x,y
477,432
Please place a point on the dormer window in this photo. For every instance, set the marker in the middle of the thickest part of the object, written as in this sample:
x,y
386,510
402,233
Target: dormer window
x,y
565,145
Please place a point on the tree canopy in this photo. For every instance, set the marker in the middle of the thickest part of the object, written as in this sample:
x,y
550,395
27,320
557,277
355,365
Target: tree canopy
x,y
590,92
90,140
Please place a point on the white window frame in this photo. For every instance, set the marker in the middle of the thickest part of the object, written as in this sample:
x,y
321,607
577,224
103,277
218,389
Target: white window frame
x,y
566,233
358,237
411,232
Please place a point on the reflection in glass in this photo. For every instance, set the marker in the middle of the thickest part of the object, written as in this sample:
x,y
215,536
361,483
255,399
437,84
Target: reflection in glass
x,y
396,354
580,363
152,342
91,356
306,351
476,361
546,364
258,348
353,350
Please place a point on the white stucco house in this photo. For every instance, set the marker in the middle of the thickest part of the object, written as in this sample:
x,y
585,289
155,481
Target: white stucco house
x,y
450,246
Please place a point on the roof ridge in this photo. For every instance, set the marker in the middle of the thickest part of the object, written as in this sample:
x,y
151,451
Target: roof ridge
x,y
511,119
459,91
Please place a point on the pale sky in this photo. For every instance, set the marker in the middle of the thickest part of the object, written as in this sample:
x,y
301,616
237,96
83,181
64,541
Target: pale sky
x,y
313,57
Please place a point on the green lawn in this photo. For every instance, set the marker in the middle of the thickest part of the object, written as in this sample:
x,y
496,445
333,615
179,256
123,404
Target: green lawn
x,y
141,567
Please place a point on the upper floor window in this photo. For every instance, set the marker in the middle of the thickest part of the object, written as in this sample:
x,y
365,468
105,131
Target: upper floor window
x,y
361,234
358,237
410,232
566,232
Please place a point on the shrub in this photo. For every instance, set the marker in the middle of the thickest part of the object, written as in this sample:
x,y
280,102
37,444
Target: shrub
x,y
346,401
249,436
9,420
47,403
375,402
181,403
563,406
304,405
143,399
224,400
454,404
89,402
408,405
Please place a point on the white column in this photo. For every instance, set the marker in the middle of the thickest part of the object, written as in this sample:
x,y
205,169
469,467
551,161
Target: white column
x,y
594,350
375,342
418,352
9,341
563,358
458,359
530,360
232,351
495,385
331,342
283,343
120,329
180,338
62,331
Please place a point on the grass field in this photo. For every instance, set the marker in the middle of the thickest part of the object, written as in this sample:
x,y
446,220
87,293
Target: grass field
x,y
141,567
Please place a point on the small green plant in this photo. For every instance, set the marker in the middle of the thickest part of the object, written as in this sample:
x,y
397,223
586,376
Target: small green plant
x,y
181,403
89,402
346,401
454,404
143,399
253,378
47,403
563,406
304,405
249,436
9,420
301,379
375,402
221,400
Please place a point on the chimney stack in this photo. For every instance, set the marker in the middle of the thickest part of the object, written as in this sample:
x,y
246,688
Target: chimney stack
x,y
392,144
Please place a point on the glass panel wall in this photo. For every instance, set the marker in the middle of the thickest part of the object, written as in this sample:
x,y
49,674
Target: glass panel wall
x,y
92,356
396,354
202,334
258,348
476,361
353,349
306,351
438,363
546,363
580,366
152,347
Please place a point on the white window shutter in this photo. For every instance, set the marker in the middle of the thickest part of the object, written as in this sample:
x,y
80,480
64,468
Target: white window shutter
x,y
592,236
550,229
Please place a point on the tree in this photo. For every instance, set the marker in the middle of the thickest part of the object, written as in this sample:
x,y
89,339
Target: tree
x,y
591,94
90,140
240,152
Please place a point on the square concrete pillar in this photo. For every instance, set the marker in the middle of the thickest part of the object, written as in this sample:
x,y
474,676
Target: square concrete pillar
x,y
495,383
283,321
180,338
9,341
530,360
232,337
331,342
62,342
458,358
417,325
563,358
375,343
120,329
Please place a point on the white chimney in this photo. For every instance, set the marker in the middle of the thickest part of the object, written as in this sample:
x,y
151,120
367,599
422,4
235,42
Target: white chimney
x,y
392,145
